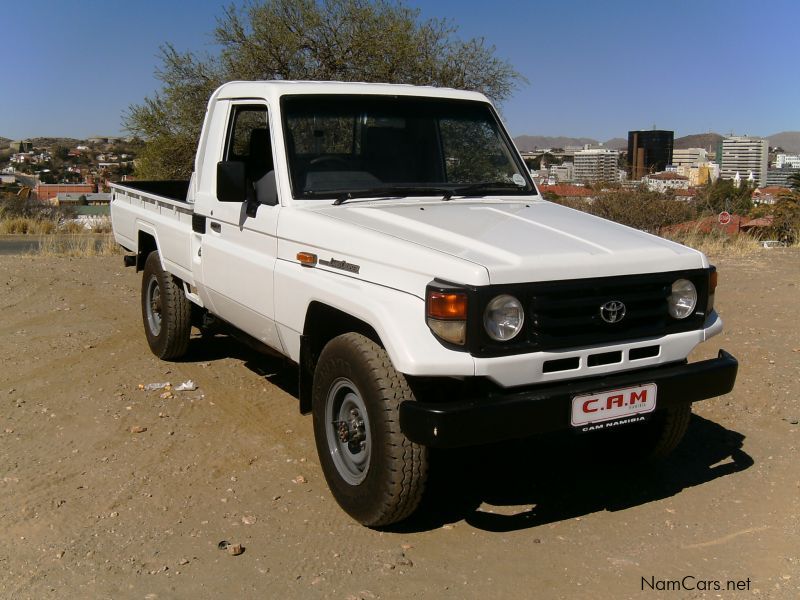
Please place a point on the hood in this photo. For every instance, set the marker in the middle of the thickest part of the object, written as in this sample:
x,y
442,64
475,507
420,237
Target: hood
x,y
516,241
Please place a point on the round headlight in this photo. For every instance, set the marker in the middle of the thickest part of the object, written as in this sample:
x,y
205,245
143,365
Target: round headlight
x,y
503,317
683,299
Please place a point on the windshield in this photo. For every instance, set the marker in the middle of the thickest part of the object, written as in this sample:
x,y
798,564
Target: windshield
x,y
361,146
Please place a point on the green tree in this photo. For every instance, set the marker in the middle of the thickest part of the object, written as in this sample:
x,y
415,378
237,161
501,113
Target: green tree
x,y
724,195
344,40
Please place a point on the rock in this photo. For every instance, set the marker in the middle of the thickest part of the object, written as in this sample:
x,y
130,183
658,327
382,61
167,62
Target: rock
x,y
183,561
299,479
404,561
138,429
249,519
235,549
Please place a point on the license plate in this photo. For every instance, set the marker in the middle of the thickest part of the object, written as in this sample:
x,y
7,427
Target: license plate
x,y
613,407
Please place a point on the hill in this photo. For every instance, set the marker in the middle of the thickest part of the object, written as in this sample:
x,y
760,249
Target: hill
x,y
709,141
529,143
788,140
46,142
616,144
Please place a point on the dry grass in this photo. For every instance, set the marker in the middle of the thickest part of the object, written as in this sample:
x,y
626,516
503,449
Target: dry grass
x,y
717,243
79,245
27,225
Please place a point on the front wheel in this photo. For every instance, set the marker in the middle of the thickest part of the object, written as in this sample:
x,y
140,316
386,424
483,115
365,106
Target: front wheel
x,y
374,472
655,439
166,312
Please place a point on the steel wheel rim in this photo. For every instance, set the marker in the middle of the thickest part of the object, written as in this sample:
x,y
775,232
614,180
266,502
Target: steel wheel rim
x,y
152,304
347,431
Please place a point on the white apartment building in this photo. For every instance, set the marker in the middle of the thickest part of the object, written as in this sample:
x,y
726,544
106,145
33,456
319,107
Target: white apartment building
x,y
688,156
787,160
563,173
596,164
665,181
745,155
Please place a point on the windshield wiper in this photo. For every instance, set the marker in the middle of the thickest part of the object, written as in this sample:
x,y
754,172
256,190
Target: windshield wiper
x,y
384,192
482,188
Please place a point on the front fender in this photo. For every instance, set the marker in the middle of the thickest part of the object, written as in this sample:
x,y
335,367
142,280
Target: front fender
x,y
397,317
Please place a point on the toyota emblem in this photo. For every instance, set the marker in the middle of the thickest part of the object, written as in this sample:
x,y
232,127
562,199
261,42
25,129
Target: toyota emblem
x,y
612,311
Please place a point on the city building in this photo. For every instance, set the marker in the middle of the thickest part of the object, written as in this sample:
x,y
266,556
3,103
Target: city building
x,y
699,173
82,199
649,151
769,195
787,160
596,164
665,181
688,156
743,156
781,177
48,192
21,146
563,173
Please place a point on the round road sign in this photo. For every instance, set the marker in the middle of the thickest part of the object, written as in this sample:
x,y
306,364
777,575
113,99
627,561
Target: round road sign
x,y
724,217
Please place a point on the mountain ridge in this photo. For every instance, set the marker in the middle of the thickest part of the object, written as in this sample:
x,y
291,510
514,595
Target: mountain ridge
x,y
789,141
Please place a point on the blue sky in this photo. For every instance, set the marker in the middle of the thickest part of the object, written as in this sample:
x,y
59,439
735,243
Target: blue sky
x,y
595,68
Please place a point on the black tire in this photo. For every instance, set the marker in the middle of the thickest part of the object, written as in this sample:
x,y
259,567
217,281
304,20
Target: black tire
x,y
374,472
166,312
674,422
653,440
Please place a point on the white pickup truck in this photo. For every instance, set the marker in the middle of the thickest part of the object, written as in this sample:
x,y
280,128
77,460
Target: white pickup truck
x,y
388,240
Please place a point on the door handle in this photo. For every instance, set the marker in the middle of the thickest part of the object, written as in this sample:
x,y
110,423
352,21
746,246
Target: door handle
x,y
216,227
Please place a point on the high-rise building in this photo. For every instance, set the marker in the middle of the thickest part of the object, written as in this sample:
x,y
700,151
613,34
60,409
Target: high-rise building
x,y
787,160
596,164
688,156
649,151
745,155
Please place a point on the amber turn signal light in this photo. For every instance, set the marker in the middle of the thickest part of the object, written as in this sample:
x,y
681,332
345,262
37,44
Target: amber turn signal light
x,y
307,259
447,305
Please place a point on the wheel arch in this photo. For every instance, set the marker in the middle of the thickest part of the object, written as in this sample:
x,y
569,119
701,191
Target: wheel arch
x,y
146,243
323,323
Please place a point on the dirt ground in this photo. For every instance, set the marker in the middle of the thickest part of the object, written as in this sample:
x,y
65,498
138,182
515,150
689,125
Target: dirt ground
x,y
89,509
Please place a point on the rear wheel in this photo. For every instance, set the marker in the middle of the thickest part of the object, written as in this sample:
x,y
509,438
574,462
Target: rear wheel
x,y
374,472
166,312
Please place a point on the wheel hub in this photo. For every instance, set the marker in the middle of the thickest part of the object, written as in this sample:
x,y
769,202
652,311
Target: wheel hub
x,y
352,432
153,306
348,433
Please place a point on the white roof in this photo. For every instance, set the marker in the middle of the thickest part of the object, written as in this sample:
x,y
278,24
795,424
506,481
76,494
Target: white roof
x,y
274,89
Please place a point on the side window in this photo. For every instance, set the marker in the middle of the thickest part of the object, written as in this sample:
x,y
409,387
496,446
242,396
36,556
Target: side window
x,y
248,140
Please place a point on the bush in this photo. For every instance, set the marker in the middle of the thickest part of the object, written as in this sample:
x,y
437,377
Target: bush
x,y
640,209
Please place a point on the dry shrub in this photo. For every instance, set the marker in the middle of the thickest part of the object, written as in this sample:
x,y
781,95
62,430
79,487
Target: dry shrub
x,y
79,245
716,242
27,225
72,227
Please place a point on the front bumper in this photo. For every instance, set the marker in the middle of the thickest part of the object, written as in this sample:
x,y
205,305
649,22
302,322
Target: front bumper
x,y
539,409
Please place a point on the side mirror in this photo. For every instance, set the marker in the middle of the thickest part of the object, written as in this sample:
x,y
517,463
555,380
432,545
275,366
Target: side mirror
x,y
231,181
